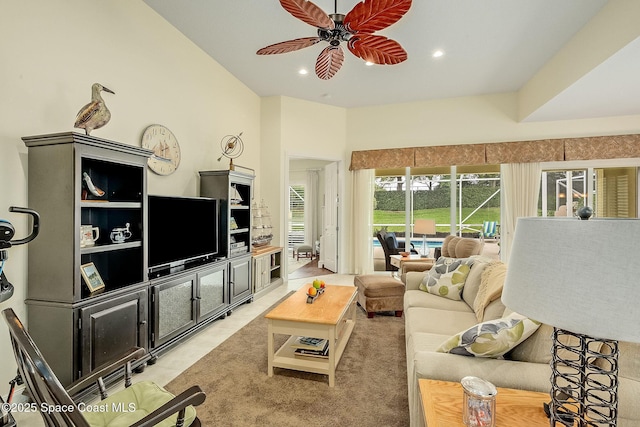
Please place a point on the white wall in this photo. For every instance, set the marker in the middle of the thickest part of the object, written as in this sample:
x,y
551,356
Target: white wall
x,y
468,120
52,51
296,128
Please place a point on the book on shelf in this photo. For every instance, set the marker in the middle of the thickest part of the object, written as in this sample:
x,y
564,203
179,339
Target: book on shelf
x,y
309,343
322,353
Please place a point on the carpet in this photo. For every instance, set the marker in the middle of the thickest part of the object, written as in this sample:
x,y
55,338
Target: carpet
x,y
370,389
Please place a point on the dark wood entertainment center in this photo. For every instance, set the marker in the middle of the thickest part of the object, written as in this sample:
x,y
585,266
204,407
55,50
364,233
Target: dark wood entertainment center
x,y
77,330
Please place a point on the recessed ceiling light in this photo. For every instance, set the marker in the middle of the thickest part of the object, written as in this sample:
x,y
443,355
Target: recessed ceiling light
x,y
438,53
368,63
303,71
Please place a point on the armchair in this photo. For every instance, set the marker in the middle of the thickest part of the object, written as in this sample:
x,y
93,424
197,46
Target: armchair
x,y
389,244
140,404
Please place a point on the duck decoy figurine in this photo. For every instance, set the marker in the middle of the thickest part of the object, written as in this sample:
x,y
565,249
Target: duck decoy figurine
x,y
92,188
95,114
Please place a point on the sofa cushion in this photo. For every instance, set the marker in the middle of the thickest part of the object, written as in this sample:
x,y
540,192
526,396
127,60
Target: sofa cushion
x,y
415,298
628,360
492,338
490,289
472,284
494,310
447,277
537,348
434,321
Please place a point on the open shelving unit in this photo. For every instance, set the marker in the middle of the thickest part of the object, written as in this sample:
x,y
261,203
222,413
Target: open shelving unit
x,y
235,191
76,329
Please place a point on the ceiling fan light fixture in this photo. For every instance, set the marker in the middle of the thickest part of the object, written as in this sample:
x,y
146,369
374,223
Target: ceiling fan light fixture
x,y
356,29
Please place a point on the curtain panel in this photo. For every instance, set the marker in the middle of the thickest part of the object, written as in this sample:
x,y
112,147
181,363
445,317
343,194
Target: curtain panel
x,y
361,256
521,185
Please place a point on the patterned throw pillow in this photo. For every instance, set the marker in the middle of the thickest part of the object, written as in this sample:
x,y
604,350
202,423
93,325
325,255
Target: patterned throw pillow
x,y
492,338
446,278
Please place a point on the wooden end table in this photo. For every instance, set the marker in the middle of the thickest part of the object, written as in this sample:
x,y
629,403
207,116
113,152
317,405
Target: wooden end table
x,y
332,316
442,405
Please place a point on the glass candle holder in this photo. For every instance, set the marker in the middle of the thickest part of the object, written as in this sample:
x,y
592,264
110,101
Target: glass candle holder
x,y
479,402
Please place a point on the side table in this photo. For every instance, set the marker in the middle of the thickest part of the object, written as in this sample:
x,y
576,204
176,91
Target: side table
x,y
442,405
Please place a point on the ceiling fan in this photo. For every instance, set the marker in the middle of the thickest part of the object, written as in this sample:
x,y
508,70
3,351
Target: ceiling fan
x,y
356,28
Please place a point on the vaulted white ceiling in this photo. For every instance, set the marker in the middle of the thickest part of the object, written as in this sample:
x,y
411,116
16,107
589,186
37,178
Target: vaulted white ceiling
x,y
568,59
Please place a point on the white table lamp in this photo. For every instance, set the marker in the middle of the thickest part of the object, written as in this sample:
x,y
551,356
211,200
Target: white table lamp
x,y
424,227
580,277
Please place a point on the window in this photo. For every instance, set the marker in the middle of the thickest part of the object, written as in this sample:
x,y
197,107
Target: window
x,y
611,192
296,215
431,191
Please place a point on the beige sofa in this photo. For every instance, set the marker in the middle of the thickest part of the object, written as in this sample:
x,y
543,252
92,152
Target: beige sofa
x,y
431,320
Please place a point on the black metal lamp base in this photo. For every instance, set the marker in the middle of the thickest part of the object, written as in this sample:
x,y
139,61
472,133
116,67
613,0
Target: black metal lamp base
x,y
581,390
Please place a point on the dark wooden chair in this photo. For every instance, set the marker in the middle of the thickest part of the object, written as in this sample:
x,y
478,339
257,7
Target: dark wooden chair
x,y
390,246
142,404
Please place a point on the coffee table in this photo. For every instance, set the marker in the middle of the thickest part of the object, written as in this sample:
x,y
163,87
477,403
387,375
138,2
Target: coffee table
x,y
332,316
442,405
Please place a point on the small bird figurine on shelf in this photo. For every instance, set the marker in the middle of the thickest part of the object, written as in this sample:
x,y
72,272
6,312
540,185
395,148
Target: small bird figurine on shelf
x,y
95,114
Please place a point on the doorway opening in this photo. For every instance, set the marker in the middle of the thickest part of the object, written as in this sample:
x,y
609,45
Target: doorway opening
x,y
307,218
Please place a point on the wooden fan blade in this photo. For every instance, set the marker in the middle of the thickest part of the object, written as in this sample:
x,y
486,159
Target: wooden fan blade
x,y
373,15
329,62
309,13
377,49
288,46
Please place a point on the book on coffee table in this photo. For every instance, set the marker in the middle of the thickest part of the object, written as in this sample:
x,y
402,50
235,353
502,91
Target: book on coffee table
x,y
322,353
309,343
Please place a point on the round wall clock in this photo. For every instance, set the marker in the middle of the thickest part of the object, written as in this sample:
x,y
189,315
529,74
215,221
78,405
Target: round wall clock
x,y
166,150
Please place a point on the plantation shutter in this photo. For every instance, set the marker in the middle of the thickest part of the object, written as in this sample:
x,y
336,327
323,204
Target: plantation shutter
x,y
296,221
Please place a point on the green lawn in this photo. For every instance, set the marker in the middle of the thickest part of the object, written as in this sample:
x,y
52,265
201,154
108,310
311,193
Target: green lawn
x,y
441,215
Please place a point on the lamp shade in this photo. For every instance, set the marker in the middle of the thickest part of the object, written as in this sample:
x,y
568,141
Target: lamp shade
x,y
580,276
424,226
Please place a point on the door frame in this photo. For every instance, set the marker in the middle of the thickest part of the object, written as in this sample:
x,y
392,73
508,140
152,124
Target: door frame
x,y
284,236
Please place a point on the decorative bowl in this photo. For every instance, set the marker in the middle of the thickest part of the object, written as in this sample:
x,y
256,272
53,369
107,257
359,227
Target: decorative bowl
x,y
405,253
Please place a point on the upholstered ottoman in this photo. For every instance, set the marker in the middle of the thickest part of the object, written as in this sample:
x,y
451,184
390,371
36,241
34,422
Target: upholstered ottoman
x,y
379,293
305,250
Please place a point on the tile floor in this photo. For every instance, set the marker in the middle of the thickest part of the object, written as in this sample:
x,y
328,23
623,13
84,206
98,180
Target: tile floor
x,y
173,362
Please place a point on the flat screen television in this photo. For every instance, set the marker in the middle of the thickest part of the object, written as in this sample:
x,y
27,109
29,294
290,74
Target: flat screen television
x,y
182,232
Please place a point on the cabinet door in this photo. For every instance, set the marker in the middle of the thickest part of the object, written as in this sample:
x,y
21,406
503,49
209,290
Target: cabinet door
x,y
109,328
240,278
174,308
266,271
212,291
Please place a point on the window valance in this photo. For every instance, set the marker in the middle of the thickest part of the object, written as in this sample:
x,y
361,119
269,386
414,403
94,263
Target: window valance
x,y
543,150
